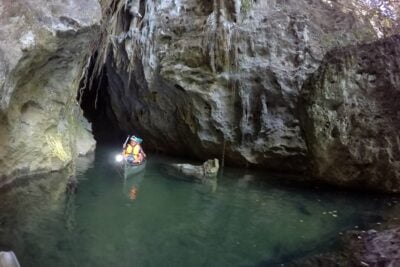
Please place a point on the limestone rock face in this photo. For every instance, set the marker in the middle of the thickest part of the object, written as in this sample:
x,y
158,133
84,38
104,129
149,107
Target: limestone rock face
x,y
351,116
85,143
221,78
43,45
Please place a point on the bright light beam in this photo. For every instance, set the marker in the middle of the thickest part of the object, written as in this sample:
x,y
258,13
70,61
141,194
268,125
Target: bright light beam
x,y
119,158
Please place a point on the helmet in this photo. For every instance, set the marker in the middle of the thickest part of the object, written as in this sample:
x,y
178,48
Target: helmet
x,y
136,139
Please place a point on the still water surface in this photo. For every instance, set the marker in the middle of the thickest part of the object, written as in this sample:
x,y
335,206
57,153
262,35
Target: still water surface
x,y
242,219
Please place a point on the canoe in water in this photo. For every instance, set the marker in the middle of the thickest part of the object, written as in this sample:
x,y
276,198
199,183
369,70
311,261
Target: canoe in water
x,y
8,259
131,169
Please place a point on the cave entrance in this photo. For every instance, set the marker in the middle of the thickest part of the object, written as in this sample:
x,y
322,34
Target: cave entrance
x,y
94,100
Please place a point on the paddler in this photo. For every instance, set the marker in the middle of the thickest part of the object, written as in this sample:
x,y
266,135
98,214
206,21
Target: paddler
x,y
133,152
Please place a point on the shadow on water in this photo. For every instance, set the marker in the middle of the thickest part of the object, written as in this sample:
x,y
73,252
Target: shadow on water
x,y
154,219
27,206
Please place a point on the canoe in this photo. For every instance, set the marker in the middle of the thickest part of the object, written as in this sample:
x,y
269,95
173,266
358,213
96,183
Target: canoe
x,y
132,169
8,259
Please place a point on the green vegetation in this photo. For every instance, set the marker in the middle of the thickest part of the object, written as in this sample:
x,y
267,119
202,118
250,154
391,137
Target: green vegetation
x,y
246,5
384,15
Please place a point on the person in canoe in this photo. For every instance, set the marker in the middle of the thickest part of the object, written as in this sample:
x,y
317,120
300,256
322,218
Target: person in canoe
x,y
133,152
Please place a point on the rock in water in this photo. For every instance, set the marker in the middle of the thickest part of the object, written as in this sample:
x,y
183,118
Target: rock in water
x,y
43,47
351,116
209,169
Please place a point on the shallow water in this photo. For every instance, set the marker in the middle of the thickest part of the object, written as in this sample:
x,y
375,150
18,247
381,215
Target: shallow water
x,y
243,219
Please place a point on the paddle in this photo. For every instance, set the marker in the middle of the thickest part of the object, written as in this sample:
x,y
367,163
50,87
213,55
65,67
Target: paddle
x,y
119,157
126,141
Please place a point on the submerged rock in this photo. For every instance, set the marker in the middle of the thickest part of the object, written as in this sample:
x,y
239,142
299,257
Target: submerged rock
x,y
351,116
209,169
359,249
378,248
43,48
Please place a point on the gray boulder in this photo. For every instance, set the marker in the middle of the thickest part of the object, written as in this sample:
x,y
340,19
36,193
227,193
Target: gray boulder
x,y
351,116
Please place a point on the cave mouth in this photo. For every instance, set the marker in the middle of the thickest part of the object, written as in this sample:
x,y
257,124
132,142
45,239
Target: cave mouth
x,y
94,100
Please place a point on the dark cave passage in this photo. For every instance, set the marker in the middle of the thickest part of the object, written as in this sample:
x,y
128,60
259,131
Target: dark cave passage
x,y
94,100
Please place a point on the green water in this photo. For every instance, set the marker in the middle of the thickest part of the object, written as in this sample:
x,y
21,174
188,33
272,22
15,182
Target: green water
x,y
242,219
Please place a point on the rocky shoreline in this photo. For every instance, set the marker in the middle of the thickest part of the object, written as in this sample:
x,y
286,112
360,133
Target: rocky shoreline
x,y
294,87
43,48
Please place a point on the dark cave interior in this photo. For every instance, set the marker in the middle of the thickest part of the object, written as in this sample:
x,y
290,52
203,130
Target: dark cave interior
x,y
95,102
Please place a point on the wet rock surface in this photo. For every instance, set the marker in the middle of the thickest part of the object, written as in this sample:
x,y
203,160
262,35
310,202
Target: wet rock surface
x,y
220,78
43,48
208,169
351,117
361,248
379,248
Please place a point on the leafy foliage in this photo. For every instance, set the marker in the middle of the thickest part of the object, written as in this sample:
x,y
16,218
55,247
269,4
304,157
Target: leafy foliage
x,y
246,5
384,15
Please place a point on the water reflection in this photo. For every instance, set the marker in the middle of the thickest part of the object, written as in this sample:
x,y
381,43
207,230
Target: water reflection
x,y
131,184
245,180
239,219
40,198
210,185
31,209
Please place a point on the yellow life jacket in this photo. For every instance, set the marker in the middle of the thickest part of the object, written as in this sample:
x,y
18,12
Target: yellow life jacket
x,y
134,151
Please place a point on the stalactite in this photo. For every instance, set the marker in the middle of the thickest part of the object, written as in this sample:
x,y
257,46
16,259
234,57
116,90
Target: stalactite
x,y
221,36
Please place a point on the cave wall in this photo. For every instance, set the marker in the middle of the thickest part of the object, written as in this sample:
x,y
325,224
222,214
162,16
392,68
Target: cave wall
x,y
43,47
199,79
351,116
221,78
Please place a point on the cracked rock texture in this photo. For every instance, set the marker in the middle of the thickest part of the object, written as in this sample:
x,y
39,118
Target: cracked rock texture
x,y
351,116
221,78
43,45
359,249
